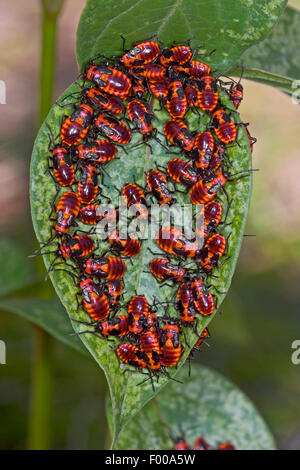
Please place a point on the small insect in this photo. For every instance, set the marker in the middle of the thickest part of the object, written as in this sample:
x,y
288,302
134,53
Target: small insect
x,y
97,151
150,71
138,310
192,96
106,102
76,126
226,446
159,89
113,129
139,114
224,126
208,97
174,242
170,346
114,291
152,323
202,298
77,246
134,196
217,157
87,188
141,54
93,213
212,216
132,355
194,68
185,303
109,80
105,267
67,210
204,335
116,326
94,300
212,251
129,247
206,189
203,150
181,444
176,55
158,185
149,344
176,100
201,444
236,94
164,270
63,167
178,133
182,172
138,89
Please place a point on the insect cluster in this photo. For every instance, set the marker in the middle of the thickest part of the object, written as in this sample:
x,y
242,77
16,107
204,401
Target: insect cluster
x,y
115,101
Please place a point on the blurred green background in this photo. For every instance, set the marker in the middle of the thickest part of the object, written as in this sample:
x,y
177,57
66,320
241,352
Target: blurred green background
x,y
251,338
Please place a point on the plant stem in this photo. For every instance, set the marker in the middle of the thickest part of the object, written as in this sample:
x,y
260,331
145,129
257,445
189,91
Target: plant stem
x,y
42,370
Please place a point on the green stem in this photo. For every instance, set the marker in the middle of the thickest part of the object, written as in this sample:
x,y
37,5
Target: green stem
x,y
285,84
42,374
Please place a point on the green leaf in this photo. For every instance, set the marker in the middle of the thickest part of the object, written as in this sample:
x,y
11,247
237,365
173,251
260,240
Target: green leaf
x,y
127,397
229,26
47,314
16,271
207,405
276,60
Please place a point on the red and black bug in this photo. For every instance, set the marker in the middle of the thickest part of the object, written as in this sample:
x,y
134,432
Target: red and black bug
x,y
132,355
164,270
114,291
181,444
212,251
152,72
185,303
106,267
202,299
218,157
67,210
170,346
110,80
113,129
149,344
116,326
138,310
76,126
134,196
159,89
226,446
224,126
97,151
158,185
236,94
182,172
174,242
176,100
176,55
204,335
87,188
206,189
208,93
192,95
152,323
141,54
129,247
106,102
193,69
203,149
141,117
212,216
63,167
201,444
178,133
77,246
93,213
94,300
138,89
